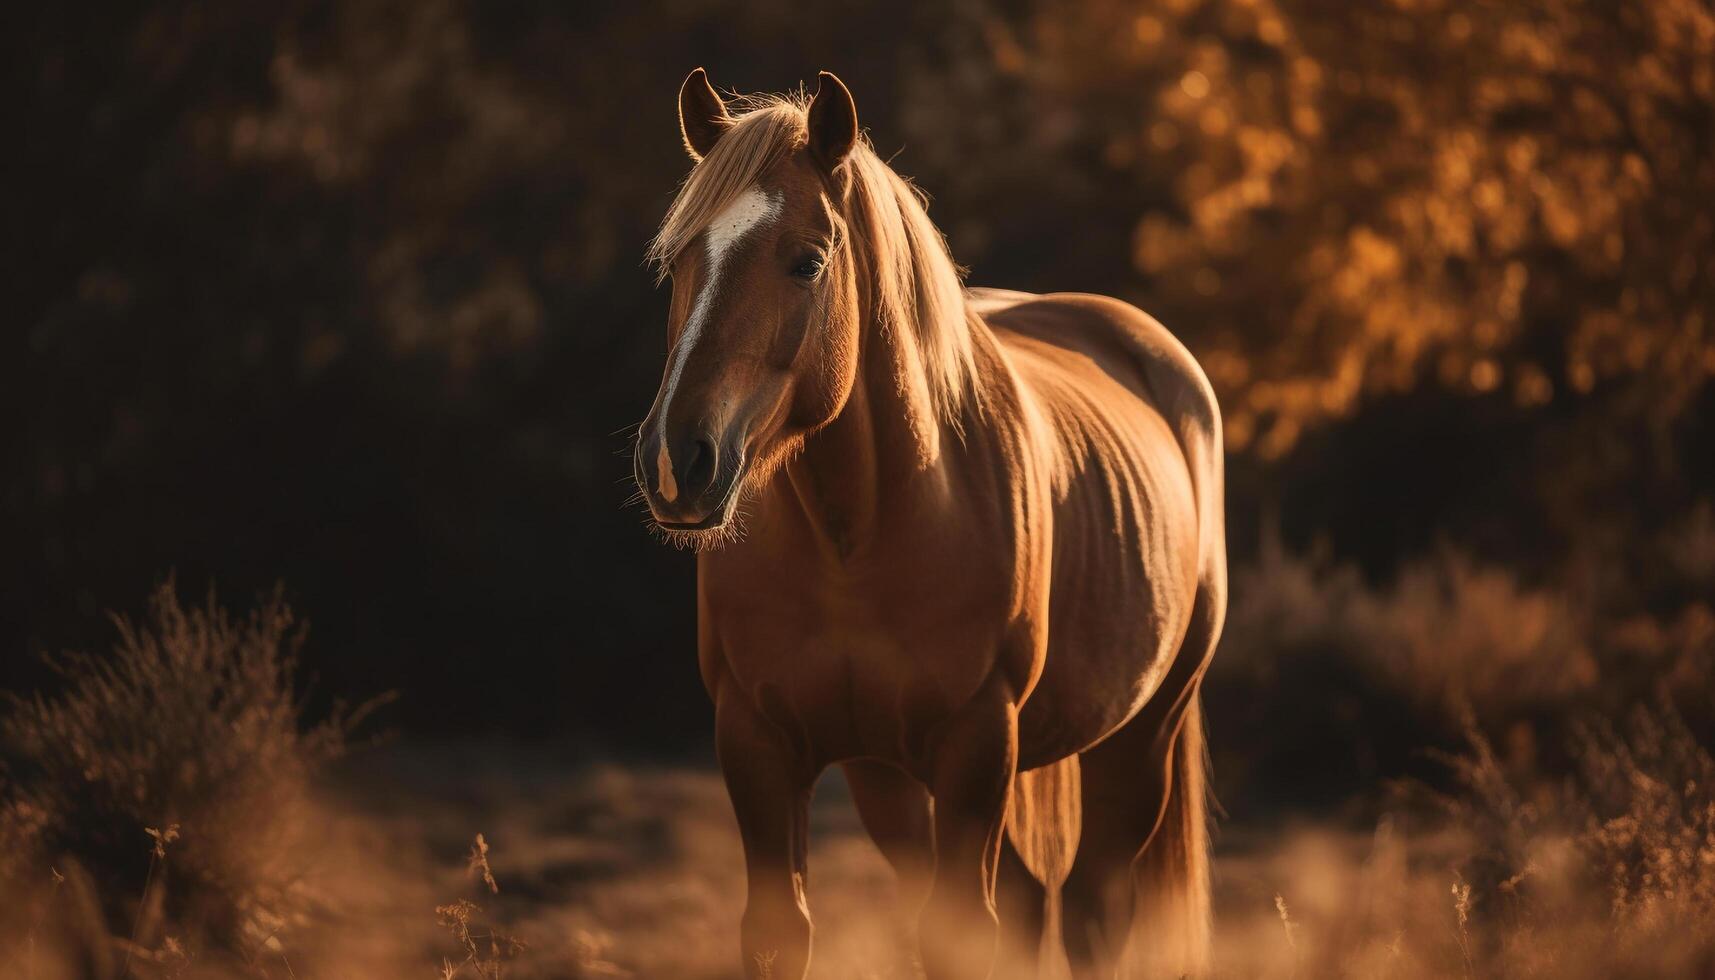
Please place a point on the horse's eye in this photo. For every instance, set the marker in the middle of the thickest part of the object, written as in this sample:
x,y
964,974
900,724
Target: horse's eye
x,y
808,267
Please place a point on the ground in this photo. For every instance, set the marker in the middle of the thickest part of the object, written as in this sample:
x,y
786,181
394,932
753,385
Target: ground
x,y
634,870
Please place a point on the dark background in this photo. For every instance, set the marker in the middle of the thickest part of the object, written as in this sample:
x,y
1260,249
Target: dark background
x,y
351,297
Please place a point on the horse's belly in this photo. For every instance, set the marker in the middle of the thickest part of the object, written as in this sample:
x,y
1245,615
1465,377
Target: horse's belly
x,y
1122,587
1094,680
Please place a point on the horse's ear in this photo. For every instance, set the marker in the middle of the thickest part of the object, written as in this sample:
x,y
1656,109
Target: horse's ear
x,y
833,121
702,114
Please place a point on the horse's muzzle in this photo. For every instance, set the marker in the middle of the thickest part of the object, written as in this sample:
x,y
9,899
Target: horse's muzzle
x,y
689,481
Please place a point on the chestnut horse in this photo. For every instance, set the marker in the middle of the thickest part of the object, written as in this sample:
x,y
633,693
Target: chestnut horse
x,y
967,544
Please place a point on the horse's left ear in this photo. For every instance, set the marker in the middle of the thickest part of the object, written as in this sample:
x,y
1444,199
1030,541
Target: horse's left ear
x,y
833,121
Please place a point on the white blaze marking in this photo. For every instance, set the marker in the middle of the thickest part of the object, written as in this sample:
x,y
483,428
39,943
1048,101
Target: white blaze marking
x,y
749,209
664,475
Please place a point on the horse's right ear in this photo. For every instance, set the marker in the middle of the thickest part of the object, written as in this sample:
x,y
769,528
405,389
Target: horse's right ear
x,y
702,114
832,121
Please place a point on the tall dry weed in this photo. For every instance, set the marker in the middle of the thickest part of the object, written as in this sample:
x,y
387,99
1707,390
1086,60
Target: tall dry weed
x,y
193,720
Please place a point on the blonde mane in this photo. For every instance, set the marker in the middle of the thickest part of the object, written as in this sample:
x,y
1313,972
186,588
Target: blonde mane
x,y
907,282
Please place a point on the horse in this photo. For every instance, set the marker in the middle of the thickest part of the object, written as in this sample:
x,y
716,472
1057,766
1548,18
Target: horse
x,y
966,544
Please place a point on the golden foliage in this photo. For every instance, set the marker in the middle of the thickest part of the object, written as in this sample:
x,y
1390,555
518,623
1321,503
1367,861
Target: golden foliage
x,y
1496,197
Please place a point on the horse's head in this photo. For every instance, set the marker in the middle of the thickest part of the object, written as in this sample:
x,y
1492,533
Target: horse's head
x,y
762,336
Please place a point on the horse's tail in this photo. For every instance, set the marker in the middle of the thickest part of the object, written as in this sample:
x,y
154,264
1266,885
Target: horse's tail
x,y
1044,821
1173,918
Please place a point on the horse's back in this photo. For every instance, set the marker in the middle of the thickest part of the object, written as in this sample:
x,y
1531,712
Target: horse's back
x,y
1125,342
1129,434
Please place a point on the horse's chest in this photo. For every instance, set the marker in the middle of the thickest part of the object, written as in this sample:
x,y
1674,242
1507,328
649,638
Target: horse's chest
x,y
851,674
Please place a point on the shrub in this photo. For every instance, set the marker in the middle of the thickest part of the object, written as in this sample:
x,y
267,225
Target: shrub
x,y
190,724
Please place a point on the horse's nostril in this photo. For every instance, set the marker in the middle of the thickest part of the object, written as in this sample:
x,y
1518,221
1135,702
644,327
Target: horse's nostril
x,y
700,463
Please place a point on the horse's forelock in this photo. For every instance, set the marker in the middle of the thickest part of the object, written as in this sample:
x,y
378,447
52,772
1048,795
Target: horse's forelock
x,y
766,129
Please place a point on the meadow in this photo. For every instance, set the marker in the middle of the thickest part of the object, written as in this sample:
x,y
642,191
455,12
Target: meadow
x,y
1518,797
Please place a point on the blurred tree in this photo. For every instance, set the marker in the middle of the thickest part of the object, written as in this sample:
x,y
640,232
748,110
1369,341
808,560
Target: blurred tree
x,y
1344,199
1394,207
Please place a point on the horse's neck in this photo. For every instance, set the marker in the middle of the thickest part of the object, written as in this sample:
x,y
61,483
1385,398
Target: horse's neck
x,y
885,444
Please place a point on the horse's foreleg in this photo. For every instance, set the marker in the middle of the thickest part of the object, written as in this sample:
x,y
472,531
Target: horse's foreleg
x,y
895,810
972,764
770,791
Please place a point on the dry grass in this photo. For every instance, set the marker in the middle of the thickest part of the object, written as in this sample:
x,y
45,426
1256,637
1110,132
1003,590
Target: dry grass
x,y
1607,872
1504,804
486,950
1624,844
609,871
1532,762
169,781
